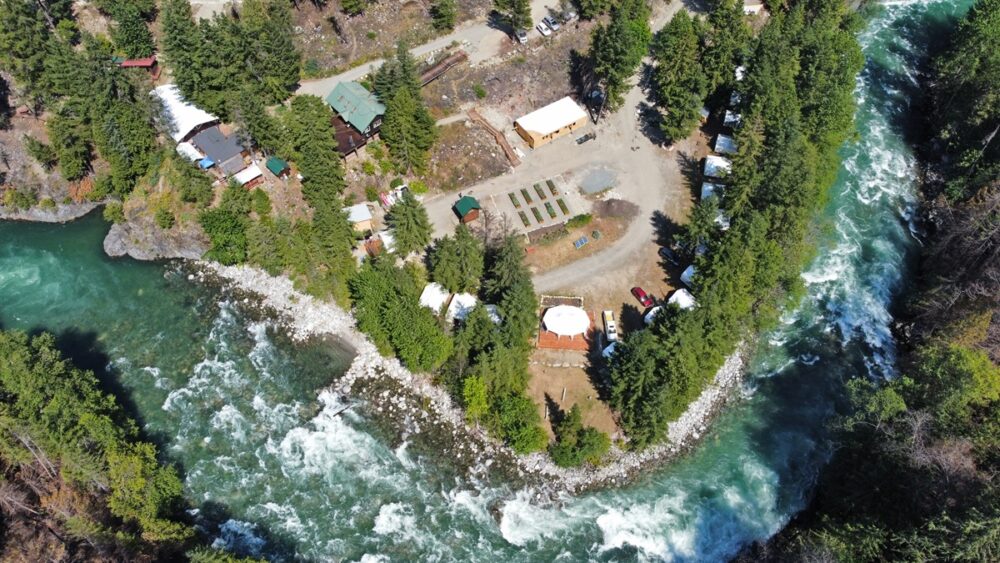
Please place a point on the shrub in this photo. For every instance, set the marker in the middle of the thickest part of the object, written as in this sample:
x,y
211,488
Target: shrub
x,y
368,167
480,91
371,193
47,203
18,199
164,218
581,220
396,182
261,203
418,187
44,154
114,212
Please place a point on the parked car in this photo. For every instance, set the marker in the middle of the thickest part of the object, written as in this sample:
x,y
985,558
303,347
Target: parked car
x,y
521,36
610,326
543,29
568,16
551,22
669,255
644,299
588,137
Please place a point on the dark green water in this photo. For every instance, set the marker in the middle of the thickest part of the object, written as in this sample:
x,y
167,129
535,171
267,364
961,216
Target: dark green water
x,y
273,472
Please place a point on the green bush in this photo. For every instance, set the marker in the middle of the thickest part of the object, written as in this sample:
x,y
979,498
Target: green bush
x,y
19,199
368,167
261,204
114,212
418,187
44,154
396,182
480,91
578,221
47,203
371,193
164,218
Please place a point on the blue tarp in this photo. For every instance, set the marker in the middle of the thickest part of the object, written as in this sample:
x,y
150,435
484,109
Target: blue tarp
x,y
206,163
580,242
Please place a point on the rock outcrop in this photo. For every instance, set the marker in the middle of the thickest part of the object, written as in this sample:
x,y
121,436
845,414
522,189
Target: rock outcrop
x,y
143,240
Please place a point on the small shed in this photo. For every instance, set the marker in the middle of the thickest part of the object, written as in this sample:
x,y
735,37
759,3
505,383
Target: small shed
x,y
467,208
682,298
550,122
724,144
687,276
359,216
717,166
461,305
249,177
147,63
434,296
277,166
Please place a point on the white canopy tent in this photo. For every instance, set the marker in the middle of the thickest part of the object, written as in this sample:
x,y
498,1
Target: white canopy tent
x,y
566,320
609,350
708,189
724,144
181,118
188,151
682,298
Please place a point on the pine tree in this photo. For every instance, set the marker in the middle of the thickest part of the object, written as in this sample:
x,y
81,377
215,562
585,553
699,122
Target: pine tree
x,y
23,39
410,224
444,13
617,49
457,263
131,34
397,72
408,130
256,124
679,78
181,45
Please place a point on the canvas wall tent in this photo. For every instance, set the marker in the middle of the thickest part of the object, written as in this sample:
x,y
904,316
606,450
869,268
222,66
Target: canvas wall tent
x,y
651,315
434,296
181,119
550,122
732,119
724,144
682,298
687,276
717,166
461,305
708,189
188,151
494,312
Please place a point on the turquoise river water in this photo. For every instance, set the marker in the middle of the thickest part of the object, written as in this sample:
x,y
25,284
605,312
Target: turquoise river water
x,y
272,472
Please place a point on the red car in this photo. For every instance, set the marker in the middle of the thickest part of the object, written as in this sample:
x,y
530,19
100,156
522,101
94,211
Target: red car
x,y
642,296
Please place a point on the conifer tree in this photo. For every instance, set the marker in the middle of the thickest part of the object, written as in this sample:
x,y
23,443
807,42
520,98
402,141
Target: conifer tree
x,y
679,79
408,130
130,33
444,13
617,49
457,263
410,224
181,45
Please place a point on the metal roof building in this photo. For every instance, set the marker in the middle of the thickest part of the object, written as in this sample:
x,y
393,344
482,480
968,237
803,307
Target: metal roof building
x,y
355,105
554,120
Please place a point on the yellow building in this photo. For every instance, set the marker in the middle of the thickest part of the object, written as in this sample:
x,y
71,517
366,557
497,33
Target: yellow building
x,y
550,122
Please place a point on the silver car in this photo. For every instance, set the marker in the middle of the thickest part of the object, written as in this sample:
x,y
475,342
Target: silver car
x,y
543,29
551,22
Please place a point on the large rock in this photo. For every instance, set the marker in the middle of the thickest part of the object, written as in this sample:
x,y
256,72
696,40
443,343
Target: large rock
x,y
143,240
59,214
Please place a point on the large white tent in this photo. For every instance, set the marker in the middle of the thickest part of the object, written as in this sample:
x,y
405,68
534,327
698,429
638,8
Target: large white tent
x,y
566,320
651,315
181,118
717,166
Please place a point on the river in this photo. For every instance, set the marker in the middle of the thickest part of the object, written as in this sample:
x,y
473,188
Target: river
x,y
272,472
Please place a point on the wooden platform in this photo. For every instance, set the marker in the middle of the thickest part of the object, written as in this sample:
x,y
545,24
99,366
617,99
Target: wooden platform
x,y
552,341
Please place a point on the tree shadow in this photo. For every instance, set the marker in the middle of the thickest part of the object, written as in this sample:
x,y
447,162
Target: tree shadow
x,y
496,20
664,228
580,75
698,6
555,412
690,168
631,317
597,370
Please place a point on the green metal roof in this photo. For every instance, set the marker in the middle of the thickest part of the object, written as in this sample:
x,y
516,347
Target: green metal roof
x,y
466,204
276,165
355,105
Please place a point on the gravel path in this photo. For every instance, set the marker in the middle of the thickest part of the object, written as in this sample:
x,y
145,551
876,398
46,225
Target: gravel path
x,y
306,317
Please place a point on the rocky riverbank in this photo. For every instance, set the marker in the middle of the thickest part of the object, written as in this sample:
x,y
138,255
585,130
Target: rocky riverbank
x,y
394,390
58,214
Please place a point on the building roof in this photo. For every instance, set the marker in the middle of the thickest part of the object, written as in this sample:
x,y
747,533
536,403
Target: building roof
x,y
434,296
217,145
248,174
145,62
276,165
708,189
687,276
682,298
461,305
181,118
188,151
388,240
717,166
232,165
357,106
552,117
358,213
465,205
724,144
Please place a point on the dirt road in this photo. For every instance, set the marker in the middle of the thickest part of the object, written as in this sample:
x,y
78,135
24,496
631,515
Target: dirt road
x,y
479,39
